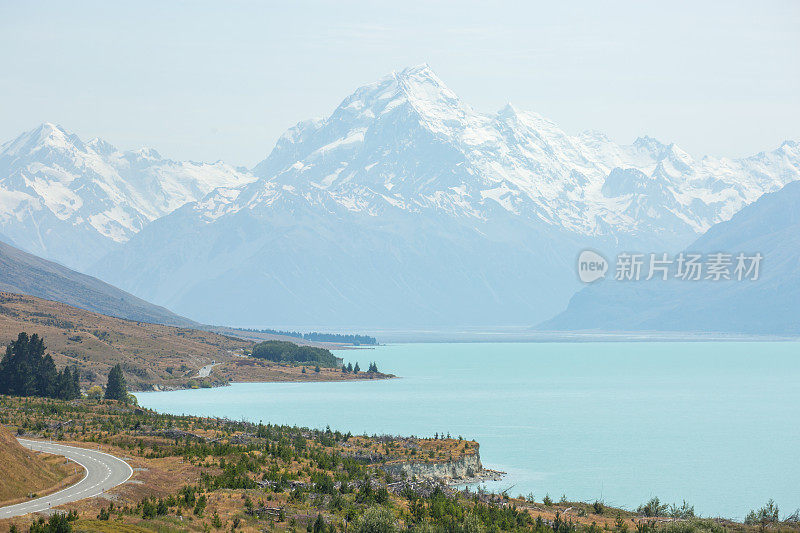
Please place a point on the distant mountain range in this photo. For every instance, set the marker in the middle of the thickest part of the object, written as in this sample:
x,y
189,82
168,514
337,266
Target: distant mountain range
x,y
768,305
72,202
403,207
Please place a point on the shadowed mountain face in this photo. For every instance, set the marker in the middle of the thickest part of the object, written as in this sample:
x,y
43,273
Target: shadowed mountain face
x,y
23,273
768,305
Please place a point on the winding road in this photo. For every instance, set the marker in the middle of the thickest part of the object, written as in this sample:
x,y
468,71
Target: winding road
x,y
103,472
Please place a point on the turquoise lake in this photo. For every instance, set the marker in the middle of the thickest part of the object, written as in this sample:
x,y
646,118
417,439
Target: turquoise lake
x,y
714,423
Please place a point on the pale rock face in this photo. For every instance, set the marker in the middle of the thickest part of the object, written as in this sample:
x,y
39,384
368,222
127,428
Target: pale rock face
x,y
467,467
72,201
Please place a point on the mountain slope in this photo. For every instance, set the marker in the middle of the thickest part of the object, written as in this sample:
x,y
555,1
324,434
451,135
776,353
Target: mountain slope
x,y
150,354
768,305
153,356
72,201
23,273
407,207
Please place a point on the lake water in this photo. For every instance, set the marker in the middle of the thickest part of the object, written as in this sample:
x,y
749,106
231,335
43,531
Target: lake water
x,y
714,423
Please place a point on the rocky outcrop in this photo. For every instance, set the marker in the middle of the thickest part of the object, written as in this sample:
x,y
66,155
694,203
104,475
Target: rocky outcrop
x,y
464,468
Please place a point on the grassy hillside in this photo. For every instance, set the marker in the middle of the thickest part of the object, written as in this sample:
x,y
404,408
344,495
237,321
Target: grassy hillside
x,y
23,273
24,472
151,355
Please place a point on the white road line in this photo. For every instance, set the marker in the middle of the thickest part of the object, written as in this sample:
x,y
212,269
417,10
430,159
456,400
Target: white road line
x,y
91,464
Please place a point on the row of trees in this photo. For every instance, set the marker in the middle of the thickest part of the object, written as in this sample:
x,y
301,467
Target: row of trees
x,y
356,340
25,370
316,336
288,352
349,368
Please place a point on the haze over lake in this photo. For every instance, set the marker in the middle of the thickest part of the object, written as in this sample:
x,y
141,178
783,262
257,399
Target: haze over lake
x,y
713,423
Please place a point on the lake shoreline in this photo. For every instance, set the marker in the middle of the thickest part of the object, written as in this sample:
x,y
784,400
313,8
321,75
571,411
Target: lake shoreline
x,y
588,420
210,382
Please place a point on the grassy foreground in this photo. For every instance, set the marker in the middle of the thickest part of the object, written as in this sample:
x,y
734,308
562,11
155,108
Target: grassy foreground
x,y
203,474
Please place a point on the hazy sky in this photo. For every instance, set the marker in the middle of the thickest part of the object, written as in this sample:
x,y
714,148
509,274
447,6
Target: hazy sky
x,y
223,80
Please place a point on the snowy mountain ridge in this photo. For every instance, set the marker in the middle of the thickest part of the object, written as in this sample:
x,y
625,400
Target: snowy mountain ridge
x,y
366,156
404,206
56,190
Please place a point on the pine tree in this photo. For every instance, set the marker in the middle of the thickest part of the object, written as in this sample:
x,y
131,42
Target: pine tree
x,y
356,369
76,382
26,371
115,389
47,378
65,384
19,366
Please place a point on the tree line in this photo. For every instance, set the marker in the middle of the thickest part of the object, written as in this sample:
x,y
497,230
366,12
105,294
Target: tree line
x,y
25,370
349,368
288,352
316,336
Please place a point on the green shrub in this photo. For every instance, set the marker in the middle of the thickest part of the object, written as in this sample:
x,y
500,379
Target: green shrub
x,y
652,508
766,515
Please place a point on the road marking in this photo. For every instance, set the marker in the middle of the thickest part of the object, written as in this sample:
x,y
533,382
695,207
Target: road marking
x,y
68,494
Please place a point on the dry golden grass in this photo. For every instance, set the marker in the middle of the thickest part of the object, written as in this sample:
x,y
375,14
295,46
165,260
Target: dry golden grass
x,y
151,355
96,342
26,472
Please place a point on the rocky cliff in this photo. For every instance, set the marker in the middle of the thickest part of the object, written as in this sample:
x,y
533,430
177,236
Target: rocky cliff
x,y
464,468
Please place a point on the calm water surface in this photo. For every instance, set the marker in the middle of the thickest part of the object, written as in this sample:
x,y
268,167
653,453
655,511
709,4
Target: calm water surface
x,y
716,424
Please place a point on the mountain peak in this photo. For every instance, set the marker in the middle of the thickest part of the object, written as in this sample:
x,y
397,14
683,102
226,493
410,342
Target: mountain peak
x,y
46,134
650,146
48,128
423,69
101,147
420,83
508,111
148,153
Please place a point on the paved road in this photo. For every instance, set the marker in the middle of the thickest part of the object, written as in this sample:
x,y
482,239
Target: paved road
x,y
205,371
103,472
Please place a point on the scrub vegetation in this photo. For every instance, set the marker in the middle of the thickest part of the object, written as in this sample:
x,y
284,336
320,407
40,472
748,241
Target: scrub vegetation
x,y
207,474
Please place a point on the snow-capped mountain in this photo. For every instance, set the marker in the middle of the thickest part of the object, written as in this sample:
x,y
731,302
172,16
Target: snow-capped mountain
x,y
406,206
409,142
72,201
